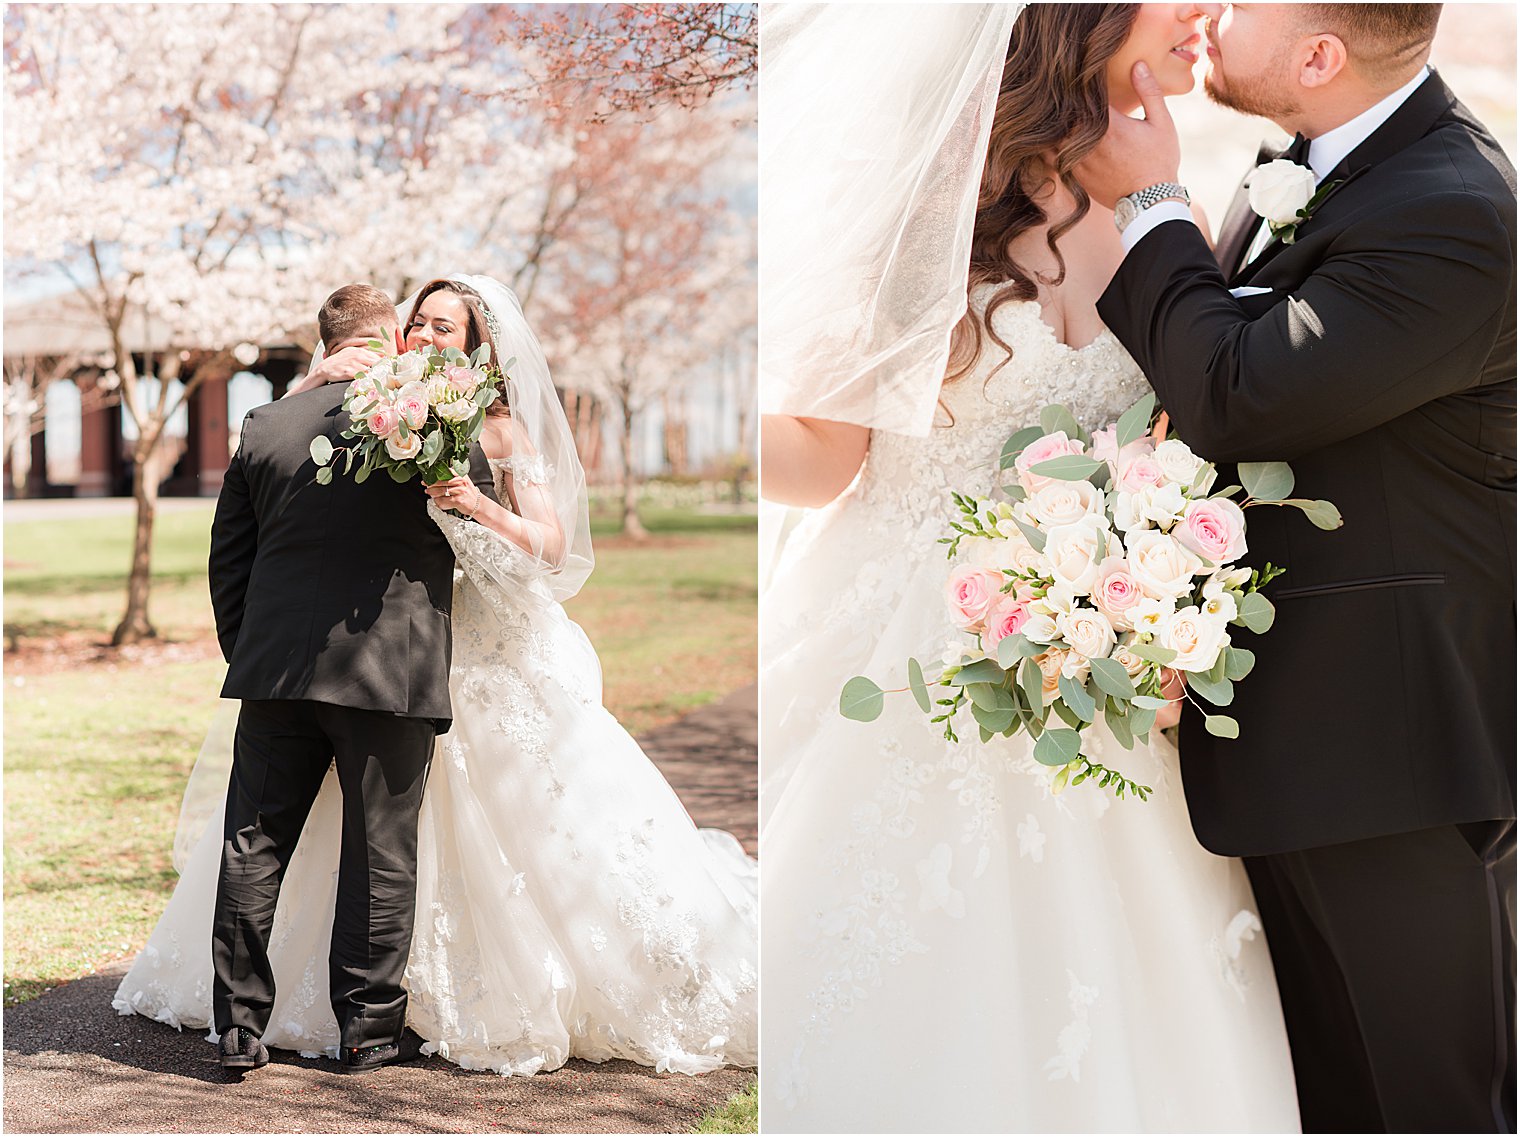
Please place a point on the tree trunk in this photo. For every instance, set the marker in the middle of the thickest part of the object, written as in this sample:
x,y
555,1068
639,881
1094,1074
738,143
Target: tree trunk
x,y
135,626
633,528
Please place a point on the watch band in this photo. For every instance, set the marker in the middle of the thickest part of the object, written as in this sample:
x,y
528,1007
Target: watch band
x,y
1126,209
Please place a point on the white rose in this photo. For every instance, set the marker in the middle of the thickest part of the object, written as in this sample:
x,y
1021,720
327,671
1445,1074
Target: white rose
x,y
1129,513
1279,189
1195,637
1065,503
1075,551
1179,464
1087,632
1160,565
439,391
409,449
410,367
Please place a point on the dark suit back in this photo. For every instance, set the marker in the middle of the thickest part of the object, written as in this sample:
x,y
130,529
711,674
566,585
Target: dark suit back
x,y
1382,366
336,594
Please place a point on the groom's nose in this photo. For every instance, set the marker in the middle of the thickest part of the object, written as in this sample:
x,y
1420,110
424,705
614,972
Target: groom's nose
x,y
1211,11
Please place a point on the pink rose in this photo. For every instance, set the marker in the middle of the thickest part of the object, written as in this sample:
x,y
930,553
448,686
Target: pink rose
x,y
1007,615
383,422
1105,449
1043,450
464,380
1214,528
1116,592
412,406
1141,472
970,592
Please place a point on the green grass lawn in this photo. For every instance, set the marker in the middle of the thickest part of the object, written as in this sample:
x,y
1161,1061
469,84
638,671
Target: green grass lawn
x,y
96,753
740,1114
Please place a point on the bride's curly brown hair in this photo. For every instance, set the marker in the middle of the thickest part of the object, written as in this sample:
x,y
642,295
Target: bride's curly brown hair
x,y
1052,105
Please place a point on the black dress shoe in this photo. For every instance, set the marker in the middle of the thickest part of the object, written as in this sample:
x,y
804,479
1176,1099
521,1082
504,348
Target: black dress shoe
x,y
363,1059
241,1050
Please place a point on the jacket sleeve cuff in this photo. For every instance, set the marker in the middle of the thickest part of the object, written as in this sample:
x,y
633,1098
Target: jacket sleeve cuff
x,y
1148,219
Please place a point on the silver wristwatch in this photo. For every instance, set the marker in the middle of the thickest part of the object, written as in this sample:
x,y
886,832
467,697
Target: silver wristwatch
x,y
1129,208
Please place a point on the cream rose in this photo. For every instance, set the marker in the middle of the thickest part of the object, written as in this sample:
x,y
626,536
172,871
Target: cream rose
x,y
1087,632
1051,664
1214,528
1128,660
1279,189
410,367
1196,638
1141,473
457,411
398,449
1161,567
1179,464
1075,551
383,422
1065,503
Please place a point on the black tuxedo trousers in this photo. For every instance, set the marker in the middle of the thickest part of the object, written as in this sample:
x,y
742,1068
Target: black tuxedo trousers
x,y
281,754
1372,788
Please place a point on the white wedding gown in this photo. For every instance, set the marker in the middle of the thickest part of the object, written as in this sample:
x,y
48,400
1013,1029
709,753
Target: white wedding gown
x,y
566,904
949,947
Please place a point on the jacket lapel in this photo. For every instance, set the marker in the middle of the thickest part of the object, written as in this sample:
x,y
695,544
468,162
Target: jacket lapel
x,y
1238,226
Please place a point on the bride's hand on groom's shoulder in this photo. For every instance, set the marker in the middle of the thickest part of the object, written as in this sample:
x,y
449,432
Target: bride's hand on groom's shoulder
x,y
1135,152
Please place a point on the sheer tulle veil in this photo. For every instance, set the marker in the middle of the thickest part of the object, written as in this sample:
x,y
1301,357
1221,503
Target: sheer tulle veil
x,y
544,464
875,120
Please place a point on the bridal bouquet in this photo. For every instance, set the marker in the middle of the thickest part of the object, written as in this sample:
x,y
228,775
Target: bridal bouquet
x,y
1109,559
413,414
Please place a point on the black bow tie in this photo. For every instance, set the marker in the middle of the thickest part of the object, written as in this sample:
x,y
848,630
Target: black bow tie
x,y
1299,150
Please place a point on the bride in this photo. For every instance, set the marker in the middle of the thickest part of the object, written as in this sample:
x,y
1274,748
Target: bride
x,y
951,947
566,904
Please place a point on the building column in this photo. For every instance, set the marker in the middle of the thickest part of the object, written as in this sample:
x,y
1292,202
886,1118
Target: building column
x,y
99,448
207,436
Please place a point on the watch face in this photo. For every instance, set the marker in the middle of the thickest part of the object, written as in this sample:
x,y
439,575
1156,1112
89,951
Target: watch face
x,y
1125,212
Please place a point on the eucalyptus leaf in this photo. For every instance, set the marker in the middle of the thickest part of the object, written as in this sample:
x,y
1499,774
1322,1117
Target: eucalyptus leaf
x,y
1016,443
399,473
982,671
1215,673
1228,491
990,697
982,732
1112,679
348,460
1220,693
1222,726
917,686
324,475
860,700
994,720
1077,698
1118,724
1141,720
1134,422
1032,680
1150,702
1067,715
432,446
1014,493
1057,747
1256,612
1267,481
1153,653
1321,514
1068,468
1057,418
1238,663
1013,648
321,450
1032,535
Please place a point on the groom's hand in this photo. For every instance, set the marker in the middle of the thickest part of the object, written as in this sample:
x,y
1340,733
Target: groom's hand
x,y
1136,152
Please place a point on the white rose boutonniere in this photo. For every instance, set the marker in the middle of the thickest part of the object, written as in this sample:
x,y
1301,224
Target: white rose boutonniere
x,y
1283,193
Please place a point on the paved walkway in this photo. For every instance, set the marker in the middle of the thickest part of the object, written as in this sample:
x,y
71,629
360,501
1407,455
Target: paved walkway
x,y
72,1065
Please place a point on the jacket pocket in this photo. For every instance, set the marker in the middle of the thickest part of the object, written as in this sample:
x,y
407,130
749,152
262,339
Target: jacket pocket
x,y
1403,580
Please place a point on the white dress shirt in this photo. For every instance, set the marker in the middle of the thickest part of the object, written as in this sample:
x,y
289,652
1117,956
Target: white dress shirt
x,y
1325,153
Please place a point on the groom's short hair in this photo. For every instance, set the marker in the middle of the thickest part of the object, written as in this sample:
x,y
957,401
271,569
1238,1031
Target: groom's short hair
x,y
355,310
1385,42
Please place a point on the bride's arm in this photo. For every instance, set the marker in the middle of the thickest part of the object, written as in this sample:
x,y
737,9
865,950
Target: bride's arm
x,y
531,523
339,367
809,461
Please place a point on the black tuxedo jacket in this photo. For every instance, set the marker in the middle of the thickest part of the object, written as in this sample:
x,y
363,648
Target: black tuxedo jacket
x,y
1382,366
336,594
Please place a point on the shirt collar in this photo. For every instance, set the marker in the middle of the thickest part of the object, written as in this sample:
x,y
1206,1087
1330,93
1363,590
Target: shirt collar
x,y
1326,151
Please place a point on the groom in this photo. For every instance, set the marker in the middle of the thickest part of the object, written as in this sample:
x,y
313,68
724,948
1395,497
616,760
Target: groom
x,y
1371,791
332,607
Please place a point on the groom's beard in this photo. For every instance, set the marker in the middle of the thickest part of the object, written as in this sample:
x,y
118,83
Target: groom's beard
x,y
1255,95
